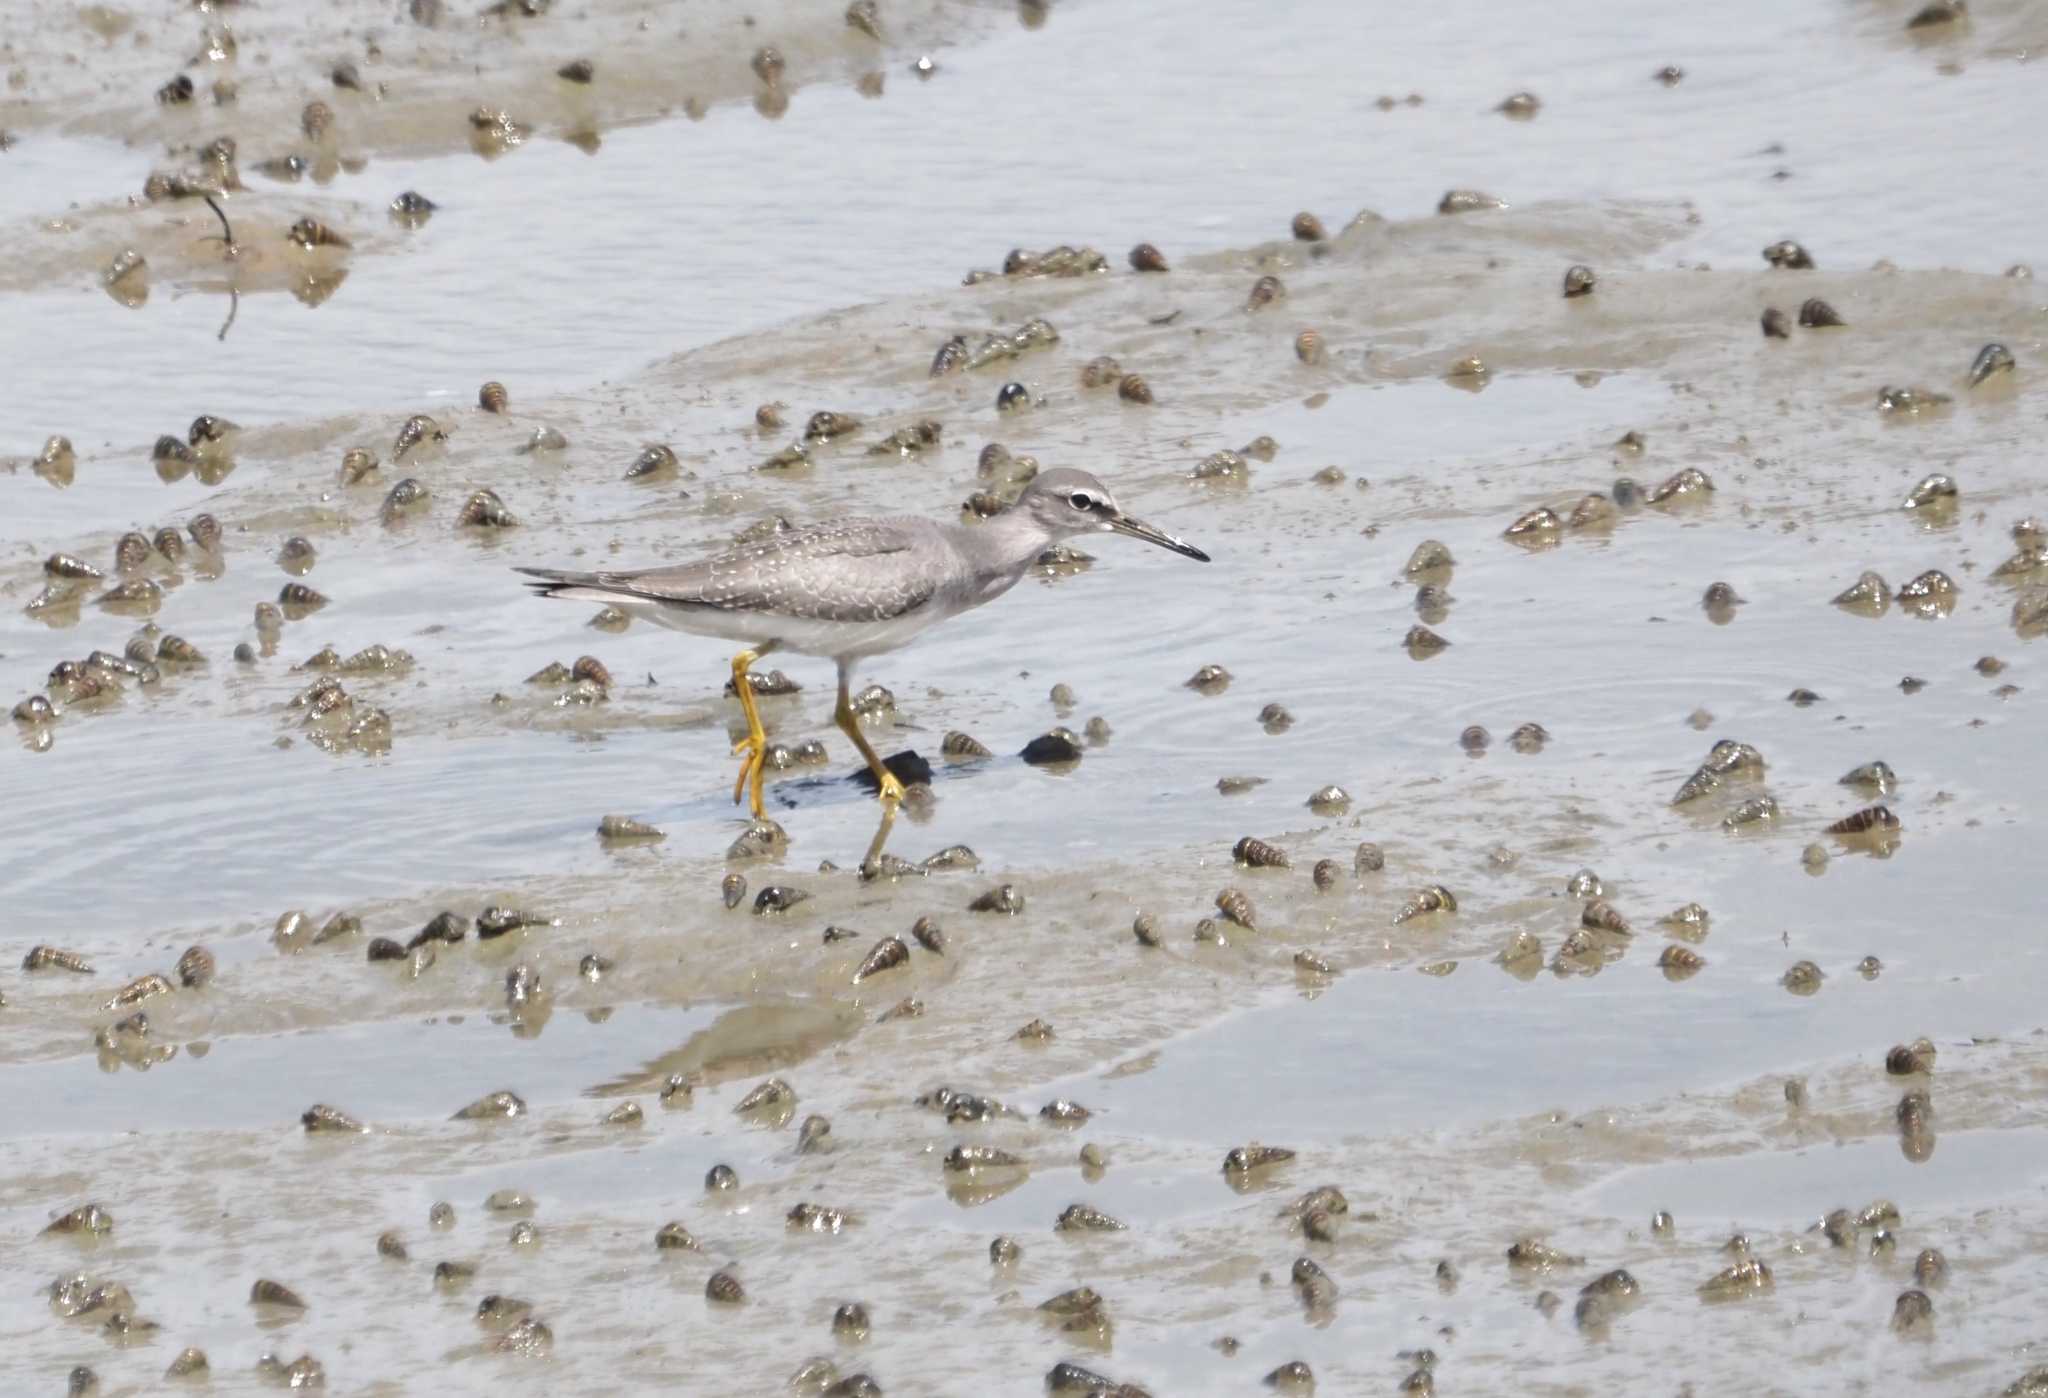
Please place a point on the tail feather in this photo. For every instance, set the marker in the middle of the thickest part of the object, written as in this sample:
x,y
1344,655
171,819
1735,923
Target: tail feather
x,y
572,587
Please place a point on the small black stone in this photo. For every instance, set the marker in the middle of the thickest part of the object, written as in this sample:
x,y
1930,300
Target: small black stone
x,y
907,766
1049,748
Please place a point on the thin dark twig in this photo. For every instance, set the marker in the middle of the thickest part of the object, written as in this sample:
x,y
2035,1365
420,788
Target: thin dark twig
x,y
227,232
231,252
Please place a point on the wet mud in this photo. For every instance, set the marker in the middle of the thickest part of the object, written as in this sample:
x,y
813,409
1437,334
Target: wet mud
x,y
1549,1004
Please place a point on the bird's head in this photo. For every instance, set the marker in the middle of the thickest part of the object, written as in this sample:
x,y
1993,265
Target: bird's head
x,y
1065,502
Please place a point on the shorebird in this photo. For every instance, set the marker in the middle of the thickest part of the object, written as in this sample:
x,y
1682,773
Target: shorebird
x,y
853,588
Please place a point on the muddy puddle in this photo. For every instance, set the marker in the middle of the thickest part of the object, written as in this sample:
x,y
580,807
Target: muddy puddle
x,y
245,1081
1637,1004
549,268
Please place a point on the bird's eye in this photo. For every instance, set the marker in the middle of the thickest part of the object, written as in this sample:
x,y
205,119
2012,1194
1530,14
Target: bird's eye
x,y
1081,500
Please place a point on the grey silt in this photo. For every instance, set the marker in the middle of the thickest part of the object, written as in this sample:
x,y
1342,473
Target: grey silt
x,y
854,588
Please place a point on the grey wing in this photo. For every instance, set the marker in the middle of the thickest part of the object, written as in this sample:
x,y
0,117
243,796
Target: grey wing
x,y
854,570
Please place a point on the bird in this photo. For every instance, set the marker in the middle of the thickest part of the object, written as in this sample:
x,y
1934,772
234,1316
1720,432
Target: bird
x,y
853,588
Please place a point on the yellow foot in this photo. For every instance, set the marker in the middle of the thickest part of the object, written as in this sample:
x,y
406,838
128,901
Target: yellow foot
x,y
751,769
891,789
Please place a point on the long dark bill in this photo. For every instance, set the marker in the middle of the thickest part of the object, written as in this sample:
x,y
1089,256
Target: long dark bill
x,y
1138,529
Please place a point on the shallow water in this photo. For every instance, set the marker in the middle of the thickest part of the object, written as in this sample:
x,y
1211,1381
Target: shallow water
x,y
813,260
551,269
1798,1187
246,1082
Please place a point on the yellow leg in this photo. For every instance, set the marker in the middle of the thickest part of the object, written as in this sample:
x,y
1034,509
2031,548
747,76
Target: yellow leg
x,y
881,837
891,789
755,744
